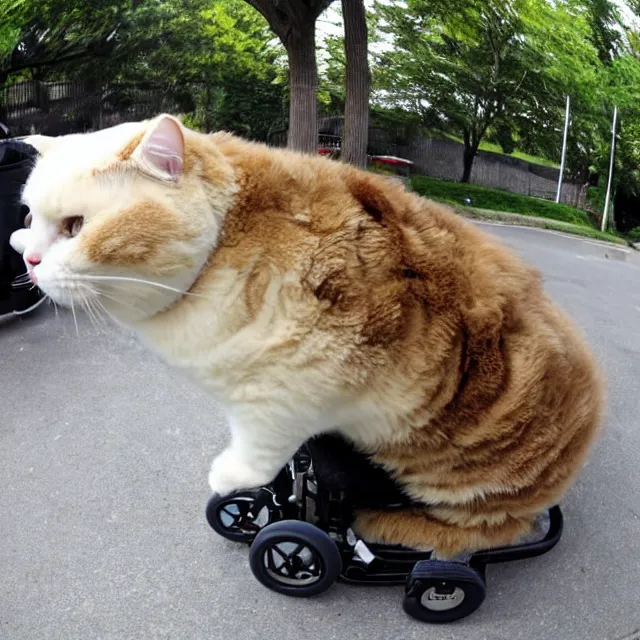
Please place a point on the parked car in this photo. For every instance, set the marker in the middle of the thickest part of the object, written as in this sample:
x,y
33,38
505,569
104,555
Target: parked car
x,y
392,164
17,293
330,146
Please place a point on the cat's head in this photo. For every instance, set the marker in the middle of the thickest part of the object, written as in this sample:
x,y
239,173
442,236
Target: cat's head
x,y
108,210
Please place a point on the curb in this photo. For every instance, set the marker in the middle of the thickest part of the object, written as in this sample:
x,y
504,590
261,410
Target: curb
x,y
501,217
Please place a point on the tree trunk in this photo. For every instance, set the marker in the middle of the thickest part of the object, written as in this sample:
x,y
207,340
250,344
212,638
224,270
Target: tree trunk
x,y
467,164
294,22
356,121
303,83
468,156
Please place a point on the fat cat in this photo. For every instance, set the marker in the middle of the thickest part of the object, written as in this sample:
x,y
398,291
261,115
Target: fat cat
x,y
308,296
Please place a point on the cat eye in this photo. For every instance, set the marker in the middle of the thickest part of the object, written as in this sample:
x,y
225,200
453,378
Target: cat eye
x,y
71,226
27,220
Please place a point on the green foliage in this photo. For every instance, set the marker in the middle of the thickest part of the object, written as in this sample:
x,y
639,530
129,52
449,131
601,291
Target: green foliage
x,y
216,56
10,21
496,200
624,89
497,69
634,234
604,19
55,32
471,63
561,33
457,62
596,196
498,73
226,47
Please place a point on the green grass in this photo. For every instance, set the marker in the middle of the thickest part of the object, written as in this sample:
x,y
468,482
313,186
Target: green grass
x,y
495,148
541,223
497,200
634,234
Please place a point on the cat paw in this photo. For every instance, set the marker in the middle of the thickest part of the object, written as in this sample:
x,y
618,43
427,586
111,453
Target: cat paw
x,y
229,473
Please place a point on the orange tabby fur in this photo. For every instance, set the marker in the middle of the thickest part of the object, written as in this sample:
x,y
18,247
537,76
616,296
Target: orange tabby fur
x,y
390,301
505,397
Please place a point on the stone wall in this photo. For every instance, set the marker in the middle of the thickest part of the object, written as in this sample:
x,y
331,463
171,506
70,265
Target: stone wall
x,y
440,158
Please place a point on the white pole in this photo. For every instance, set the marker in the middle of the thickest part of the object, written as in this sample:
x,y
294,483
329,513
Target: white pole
x,y
564,151
613,152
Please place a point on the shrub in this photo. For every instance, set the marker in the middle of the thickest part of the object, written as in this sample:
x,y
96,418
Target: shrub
x,y
496,200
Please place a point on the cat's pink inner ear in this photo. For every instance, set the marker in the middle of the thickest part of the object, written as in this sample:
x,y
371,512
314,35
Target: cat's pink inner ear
x,y
164,148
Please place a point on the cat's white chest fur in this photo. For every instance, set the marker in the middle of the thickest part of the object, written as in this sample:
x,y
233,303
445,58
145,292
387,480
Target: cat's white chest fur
x,y
274,401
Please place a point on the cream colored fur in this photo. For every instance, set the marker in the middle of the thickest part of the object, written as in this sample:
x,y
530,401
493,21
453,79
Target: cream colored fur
x,y
310,297
272,408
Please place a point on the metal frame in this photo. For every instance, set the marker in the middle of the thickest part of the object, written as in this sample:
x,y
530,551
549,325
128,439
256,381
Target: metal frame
x,y
296,489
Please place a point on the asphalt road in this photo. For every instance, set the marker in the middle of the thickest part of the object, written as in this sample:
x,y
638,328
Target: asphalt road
x,y
104,454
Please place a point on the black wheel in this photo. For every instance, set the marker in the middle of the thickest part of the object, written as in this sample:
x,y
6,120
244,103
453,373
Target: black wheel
x,y
295,558
440,591
240,516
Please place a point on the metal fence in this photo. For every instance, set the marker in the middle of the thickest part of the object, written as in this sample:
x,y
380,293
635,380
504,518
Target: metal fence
x,y
442,159
58,108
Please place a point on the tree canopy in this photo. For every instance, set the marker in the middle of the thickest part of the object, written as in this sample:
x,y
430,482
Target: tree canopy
x,y
223,46
475,67
475,70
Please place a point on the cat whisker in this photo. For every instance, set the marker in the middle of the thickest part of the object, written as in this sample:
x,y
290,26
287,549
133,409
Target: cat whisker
x,y
91,311
85,304
136,280
75,319
107,312
131,306
98,309
20,281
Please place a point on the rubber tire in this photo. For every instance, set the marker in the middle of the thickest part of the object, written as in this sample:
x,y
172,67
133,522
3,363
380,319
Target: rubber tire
x,y
213,508
300,532
427,574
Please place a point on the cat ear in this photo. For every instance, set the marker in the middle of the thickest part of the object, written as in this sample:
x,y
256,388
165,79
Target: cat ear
x,y
369,191
161,151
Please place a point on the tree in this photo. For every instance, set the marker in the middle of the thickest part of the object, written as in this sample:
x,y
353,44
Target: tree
x,y
605,21
562,34
623,89
469,66
52,33
356,115
458,63
222,48
213,58
10,23
294,22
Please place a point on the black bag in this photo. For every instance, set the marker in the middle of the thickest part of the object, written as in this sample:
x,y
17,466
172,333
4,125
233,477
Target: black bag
x,y
16,161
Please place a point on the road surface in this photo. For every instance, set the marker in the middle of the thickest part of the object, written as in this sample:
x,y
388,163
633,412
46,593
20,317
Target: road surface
x,y
104,454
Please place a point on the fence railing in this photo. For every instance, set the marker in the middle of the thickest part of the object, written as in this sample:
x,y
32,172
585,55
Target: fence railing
x,y
57,108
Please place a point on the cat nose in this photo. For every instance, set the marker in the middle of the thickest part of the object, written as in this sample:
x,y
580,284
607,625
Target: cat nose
x,y
33,259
